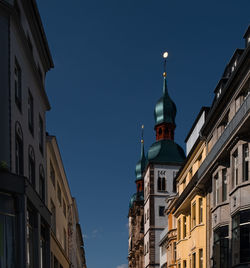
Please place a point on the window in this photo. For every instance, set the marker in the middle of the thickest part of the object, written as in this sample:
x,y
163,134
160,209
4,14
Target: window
x,y
53,217
147,213
19,149
64,208
200,258
245,162
43,247
241,237
184,264
52,174
200,210
161,184
41,183
18,85
8,243
179,229
221,248
184,183
216,189
29,43
30,239
32,168
184,226
194,260
235,169
65,240
179,265
199,160
56,263
31,113
40,134
161,211
175,252
193,214
224,184
191,172
147,247
59,194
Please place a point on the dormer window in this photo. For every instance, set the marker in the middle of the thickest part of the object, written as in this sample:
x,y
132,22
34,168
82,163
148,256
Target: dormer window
x,y
234,65
218,93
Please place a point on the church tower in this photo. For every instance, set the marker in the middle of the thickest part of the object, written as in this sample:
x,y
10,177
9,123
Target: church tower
x,y
136,219
164,159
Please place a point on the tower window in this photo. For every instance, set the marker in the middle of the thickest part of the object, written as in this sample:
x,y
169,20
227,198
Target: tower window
x,y
161,211
160,131
161,184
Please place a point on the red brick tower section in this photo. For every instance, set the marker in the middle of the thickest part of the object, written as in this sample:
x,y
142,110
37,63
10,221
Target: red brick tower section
x,y
165,131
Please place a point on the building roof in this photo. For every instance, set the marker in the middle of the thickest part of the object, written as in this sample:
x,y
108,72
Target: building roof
x,y
136,197
141,164
165,152
165,109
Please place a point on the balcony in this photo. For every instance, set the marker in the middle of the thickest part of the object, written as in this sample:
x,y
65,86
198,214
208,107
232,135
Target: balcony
x,y
238,125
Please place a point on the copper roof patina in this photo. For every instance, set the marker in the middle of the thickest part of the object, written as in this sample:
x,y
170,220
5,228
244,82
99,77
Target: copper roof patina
x,y
165,109
136,197
165,151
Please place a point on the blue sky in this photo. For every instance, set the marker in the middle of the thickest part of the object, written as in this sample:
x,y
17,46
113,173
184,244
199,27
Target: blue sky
x,y
106,81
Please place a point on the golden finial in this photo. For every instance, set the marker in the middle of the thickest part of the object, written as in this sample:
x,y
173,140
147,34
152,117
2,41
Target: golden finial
x,y
165,55
142,130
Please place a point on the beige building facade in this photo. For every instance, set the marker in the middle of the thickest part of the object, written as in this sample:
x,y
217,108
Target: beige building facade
x,y
67,248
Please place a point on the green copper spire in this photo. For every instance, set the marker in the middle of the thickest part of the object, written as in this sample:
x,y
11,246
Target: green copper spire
x,y
165,109
140,166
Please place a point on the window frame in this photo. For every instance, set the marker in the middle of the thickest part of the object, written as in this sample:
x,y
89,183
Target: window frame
x,y
32,166
42,186
193,214
245,162
19,157
18,85
31,112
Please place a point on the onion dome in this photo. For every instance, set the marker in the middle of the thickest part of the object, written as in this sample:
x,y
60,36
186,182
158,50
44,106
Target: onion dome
x,y
141,164
165,109
136,197
167,152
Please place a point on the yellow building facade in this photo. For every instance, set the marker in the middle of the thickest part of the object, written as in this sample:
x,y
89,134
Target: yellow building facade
x,y
189,207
